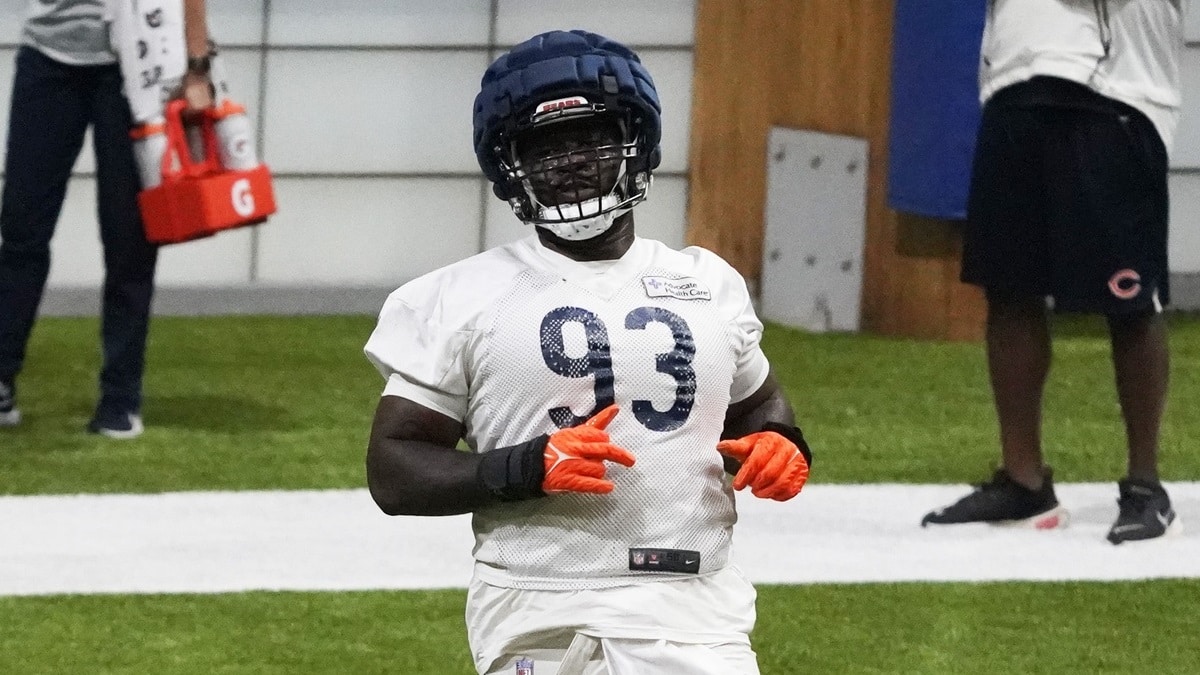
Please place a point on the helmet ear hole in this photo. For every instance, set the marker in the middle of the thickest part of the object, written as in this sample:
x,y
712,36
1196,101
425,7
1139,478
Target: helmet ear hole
x,y
654,159
521,208
646,163
501,190
515,197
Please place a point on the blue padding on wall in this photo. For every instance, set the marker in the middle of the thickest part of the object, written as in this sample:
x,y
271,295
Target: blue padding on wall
x,y
935,105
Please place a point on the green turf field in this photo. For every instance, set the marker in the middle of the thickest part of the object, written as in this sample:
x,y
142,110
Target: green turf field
x,y
1048,628
251,403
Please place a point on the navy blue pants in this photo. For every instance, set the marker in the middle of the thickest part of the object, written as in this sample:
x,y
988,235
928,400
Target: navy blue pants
x,y
52,106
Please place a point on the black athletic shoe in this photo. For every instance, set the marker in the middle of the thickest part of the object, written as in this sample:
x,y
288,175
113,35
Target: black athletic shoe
x,y
1146,512
1003,501
119,424
9,415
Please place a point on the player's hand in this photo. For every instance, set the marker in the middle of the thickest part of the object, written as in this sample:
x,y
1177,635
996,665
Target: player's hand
x,y
198,92
575,456
773,466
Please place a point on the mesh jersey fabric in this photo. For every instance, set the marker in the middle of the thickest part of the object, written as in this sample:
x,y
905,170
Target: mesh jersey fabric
x,y
519,340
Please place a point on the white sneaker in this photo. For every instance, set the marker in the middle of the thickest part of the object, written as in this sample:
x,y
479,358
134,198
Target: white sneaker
x,y
10,418
122,427
9,415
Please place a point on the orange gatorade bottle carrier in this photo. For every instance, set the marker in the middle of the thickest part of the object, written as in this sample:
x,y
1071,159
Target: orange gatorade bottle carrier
x,y
198,198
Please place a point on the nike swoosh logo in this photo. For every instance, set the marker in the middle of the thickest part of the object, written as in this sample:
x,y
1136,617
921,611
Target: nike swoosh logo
x,y
690,562
1162,518
1126,528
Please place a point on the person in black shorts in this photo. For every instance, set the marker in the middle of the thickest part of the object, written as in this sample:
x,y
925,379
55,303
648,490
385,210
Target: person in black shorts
x,y
1068,210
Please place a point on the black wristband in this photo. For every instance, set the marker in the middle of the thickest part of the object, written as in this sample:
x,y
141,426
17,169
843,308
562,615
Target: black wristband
x,y
794,435
202,65
199,65
514,473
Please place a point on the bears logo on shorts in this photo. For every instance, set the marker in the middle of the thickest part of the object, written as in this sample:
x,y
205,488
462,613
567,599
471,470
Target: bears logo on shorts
x,y
1125,284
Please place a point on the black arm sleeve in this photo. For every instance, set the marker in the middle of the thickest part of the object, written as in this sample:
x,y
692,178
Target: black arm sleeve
x,y
514,473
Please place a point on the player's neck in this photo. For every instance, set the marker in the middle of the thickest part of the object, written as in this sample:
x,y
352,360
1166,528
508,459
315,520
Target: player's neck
x,y
608,246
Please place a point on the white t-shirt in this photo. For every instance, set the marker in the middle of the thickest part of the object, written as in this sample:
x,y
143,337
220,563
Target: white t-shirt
x,y
1067,38
518,341
74,32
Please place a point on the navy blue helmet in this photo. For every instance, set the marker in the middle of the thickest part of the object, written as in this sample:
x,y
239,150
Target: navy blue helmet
x,y
567,76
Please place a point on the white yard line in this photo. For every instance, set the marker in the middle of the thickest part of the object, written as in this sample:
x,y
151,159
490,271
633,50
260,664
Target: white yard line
x,y
205,542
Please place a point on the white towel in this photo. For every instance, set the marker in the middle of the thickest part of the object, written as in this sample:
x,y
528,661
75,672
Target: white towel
x,y
147,36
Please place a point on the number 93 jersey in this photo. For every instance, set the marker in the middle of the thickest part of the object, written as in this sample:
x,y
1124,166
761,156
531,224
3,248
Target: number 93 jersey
x,y
519,341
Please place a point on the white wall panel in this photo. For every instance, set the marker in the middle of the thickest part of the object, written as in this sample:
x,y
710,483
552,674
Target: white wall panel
x,y
1191,20
635,22
367,231
672,73
1186,150
662,216
1184,245
501,224
378,22
371,111
86,162
343,109
75,254
241,70
12,18
222,259
235,22
7,70
77,258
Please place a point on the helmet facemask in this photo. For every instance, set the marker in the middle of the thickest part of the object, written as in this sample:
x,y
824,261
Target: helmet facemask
x,y
574,171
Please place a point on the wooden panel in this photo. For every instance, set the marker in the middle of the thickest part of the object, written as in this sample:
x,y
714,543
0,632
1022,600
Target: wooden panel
x,y
823,65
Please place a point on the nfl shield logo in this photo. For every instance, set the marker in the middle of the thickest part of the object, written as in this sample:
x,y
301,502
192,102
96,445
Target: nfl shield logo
x,y
639,558
524,666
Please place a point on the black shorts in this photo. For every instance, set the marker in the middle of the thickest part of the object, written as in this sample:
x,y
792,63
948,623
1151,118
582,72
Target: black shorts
x,y
1069,201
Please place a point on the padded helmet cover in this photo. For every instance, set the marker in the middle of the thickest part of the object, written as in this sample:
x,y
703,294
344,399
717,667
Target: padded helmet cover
x,y
555,65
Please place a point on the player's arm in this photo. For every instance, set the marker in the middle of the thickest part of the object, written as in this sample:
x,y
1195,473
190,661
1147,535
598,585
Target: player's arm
x,y
767,404
197,85
763,447
413,467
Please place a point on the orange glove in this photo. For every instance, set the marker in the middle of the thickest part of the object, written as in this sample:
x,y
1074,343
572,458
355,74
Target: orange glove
x,y
773,465
575,456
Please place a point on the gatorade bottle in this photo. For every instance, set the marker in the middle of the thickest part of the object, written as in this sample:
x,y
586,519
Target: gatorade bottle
x,y
149,144
235,136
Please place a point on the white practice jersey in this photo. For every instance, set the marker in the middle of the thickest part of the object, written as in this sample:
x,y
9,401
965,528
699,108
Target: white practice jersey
x,y
520,341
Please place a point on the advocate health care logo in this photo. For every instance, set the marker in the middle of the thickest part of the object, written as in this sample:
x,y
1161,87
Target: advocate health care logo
x,y
685,288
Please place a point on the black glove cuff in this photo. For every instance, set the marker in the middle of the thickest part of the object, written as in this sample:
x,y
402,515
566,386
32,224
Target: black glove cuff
x,y
794,435
514,473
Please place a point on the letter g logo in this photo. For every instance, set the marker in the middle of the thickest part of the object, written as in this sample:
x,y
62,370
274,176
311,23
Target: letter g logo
x,y
243,199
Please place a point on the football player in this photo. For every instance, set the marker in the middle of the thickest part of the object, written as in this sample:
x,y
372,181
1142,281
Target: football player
x,y
611,390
